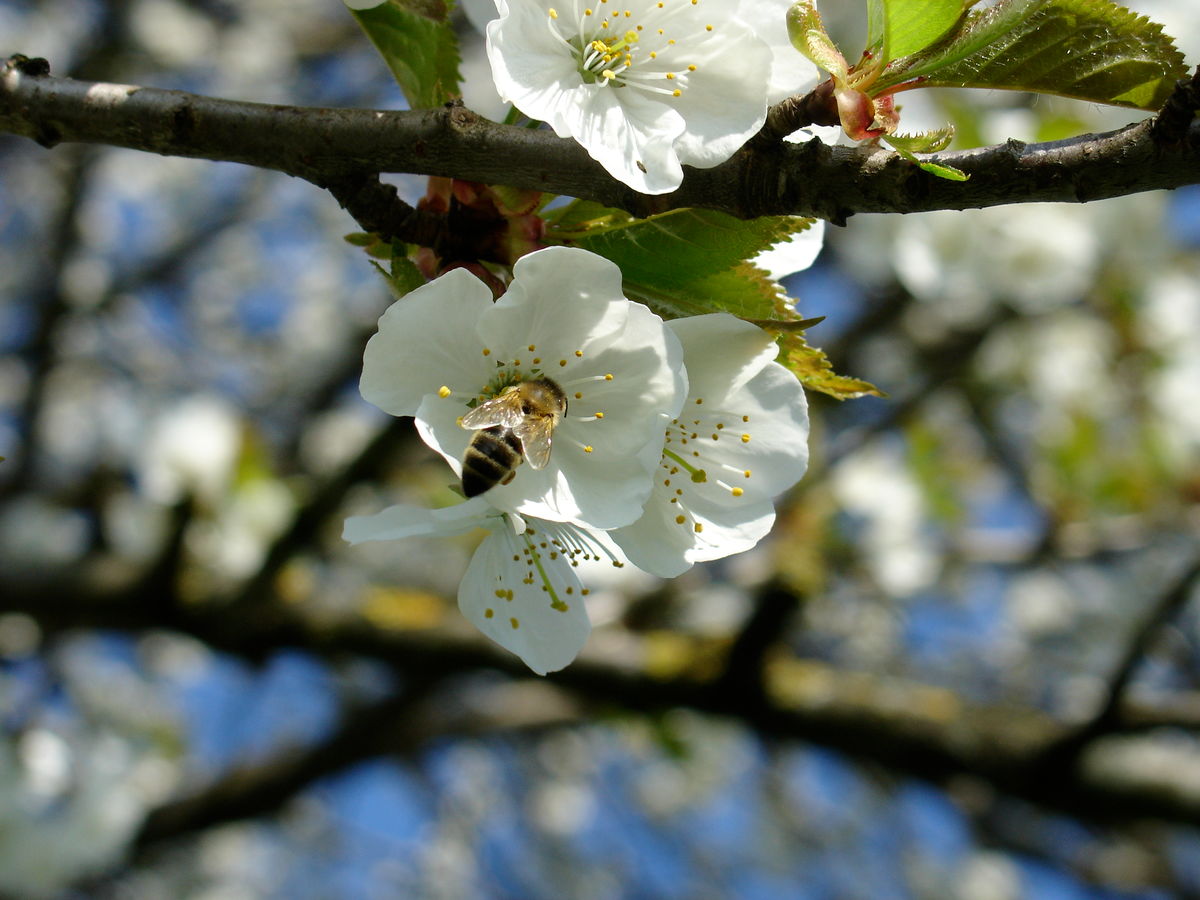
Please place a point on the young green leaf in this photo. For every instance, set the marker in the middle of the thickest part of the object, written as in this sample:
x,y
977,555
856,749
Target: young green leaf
x,y
417,43
913,25
808,35
902,143
923,142
1087,49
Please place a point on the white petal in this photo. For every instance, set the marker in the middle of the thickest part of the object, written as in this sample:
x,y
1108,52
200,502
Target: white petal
x,y
777,452
561,300
720,353
725,101
791,73
634,137
772,445
660,544
409,521
543,622
424,341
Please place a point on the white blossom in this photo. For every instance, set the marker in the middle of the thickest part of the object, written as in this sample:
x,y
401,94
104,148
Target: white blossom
x,y
741,438
521,588
645,87
446,346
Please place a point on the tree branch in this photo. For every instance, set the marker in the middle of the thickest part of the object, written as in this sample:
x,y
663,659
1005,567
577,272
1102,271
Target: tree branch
x,y
764,178
928,733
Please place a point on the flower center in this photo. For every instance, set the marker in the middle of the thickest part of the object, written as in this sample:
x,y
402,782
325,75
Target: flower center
x,y
693,455
612,49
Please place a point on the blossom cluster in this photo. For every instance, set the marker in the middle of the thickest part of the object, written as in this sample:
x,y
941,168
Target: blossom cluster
x,y
663,446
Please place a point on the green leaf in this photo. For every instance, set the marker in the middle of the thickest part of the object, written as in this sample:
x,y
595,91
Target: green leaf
x,y
876,27
913,25
941,170
1087,49
815,371
419,46
685,262
901,143
923,142
403,277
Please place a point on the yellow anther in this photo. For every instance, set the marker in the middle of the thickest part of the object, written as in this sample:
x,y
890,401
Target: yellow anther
x,y
747,473
443,392
745,438
670,76
515,624
677,93
697,528
708,28
578,395
691,68
587,448
737,492
608,376
487,352
553,13
653,54
599,415
679,520
489,613
579,353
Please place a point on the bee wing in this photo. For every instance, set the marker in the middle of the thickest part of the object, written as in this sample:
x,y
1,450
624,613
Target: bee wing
x,y
503,410
535,433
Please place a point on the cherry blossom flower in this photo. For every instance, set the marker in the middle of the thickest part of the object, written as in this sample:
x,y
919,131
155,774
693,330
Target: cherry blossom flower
x,y
741,438
645,87
522,587
446,347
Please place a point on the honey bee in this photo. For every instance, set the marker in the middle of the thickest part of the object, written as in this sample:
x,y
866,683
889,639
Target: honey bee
x,y
516,424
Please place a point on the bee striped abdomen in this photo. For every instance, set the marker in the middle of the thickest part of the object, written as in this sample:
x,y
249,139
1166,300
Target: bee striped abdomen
x,y
492,458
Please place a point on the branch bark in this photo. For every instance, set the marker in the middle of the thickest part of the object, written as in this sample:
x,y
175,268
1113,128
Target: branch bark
x,y
764,178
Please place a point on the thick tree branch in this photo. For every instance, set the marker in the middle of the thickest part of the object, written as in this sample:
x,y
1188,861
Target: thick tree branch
x,y
923,732
323,145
